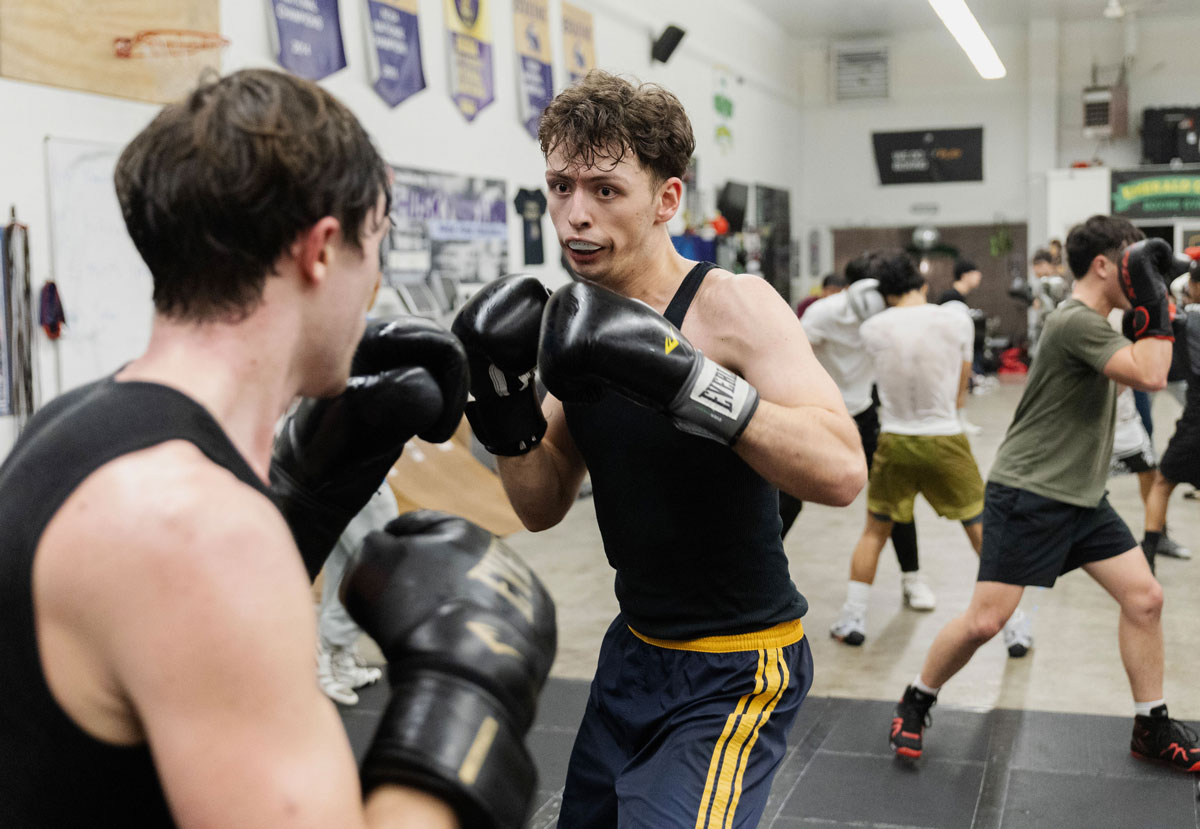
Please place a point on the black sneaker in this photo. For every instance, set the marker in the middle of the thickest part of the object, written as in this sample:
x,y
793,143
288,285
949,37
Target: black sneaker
x,y
910,721
1163,740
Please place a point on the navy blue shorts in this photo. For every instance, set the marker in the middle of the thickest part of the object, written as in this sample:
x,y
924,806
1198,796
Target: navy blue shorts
x,y
1031,540
685,734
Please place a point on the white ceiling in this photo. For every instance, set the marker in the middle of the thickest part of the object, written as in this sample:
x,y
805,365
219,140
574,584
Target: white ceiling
x,y
832,19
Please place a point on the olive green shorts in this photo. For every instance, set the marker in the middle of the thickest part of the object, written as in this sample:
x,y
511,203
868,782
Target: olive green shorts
x,y
940,467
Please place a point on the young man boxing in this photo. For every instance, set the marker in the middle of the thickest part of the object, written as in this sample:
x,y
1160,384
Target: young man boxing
x,y
1045,508
832,327
921,355
157,614
691,396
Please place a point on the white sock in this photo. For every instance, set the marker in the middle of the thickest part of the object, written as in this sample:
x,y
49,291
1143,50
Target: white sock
x,y
1144,708
857,595
923,688
908,578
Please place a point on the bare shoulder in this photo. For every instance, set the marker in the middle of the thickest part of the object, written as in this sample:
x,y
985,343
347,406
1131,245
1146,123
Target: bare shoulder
x,y
741,315
154,529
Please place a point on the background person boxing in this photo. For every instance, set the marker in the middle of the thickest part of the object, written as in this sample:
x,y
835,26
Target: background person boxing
x,y
1045,507
689,394
832,327
157,617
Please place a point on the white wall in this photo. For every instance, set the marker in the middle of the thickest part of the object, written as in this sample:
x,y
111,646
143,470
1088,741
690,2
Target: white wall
x,y
427,131
932,85
1165,71
1032,119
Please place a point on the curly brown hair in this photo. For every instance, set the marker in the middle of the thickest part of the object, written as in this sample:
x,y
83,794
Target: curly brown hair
x,y
603,117
217,187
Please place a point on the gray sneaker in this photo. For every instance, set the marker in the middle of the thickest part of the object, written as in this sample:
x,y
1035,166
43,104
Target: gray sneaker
x,y
1171,548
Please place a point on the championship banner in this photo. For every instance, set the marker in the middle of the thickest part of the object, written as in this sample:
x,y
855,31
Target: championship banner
x,y
578,42
472,85
535,84
394,49
929,156
1138,194
307,37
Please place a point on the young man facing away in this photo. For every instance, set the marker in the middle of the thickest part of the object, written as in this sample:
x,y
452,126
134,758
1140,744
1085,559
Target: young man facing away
x,y
701,674
158,663
832,327
1046,511
921,356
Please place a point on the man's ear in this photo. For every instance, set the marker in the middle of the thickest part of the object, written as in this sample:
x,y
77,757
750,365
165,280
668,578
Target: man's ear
x,y
1098,263
314,247
670,196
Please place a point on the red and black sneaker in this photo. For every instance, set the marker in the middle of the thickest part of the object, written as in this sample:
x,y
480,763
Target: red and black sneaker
x,y
910,721
1164,740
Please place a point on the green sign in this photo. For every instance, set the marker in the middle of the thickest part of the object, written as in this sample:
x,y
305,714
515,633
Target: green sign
x,y
1137,194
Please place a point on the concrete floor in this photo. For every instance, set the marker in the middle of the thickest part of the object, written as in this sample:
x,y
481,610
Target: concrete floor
x,y
1073,667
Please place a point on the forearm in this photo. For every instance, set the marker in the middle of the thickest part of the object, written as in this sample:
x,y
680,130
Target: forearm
x,y
1152,356
809,452
399,807
540,485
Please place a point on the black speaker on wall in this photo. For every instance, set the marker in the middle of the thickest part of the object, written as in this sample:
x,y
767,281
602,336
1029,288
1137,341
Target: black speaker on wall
x,y
665,45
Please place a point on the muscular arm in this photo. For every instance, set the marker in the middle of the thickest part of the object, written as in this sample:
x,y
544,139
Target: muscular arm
x,y
198,610
542,484
1142,365
801,439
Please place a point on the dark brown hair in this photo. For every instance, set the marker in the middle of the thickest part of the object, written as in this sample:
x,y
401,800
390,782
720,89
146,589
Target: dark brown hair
x,y
217,187
603,117
1099,236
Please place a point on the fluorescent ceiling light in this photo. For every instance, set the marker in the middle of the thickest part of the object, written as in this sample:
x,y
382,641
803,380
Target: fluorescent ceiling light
x,y
965,28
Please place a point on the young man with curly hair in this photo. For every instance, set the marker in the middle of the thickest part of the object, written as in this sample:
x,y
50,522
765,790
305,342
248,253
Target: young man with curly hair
x,y
691,396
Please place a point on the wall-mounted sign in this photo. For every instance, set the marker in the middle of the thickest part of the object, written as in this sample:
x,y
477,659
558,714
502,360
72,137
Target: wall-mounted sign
x,y
307,37
472,82
929,156
395,49
579,47
531,34
1138,194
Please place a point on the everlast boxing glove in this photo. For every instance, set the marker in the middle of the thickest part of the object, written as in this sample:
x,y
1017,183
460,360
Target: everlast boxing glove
x,y
408,377
469,635
1144,271
593,338
864,298
499,328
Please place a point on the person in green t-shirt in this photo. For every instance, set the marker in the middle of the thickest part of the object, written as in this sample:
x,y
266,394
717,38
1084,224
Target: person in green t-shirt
x,y
1045,507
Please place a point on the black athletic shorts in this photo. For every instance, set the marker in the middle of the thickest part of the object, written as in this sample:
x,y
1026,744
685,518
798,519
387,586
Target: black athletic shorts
x,y
1180,464
1031,540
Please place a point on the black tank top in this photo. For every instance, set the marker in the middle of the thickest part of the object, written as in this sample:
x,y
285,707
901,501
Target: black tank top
x,y
52,773
690,528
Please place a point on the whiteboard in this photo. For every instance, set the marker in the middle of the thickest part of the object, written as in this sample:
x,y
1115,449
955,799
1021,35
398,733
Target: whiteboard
x,y
106,289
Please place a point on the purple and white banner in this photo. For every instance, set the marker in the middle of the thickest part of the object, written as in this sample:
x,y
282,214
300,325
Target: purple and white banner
x,y
307,37
535,83
579,45
469,29
394,49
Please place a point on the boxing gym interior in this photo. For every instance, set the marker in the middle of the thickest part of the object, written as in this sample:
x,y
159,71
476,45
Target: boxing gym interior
x,y
974,133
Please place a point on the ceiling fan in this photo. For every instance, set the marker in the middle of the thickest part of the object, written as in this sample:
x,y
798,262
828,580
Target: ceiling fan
x,y
1116,9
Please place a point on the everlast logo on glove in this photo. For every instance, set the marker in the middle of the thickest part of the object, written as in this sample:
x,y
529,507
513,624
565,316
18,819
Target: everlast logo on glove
x,y
718,389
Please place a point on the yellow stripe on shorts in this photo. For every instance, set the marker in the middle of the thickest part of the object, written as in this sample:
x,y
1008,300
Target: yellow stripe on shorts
x,y
723,788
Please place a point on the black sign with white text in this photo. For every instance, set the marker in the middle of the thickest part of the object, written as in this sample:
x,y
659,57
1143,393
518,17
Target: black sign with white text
x,y
929,156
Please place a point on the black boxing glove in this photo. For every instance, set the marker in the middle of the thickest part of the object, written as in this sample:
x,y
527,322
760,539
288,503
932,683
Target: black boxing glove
x,y
469,634
408,377
593,338
499,327
1144,270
